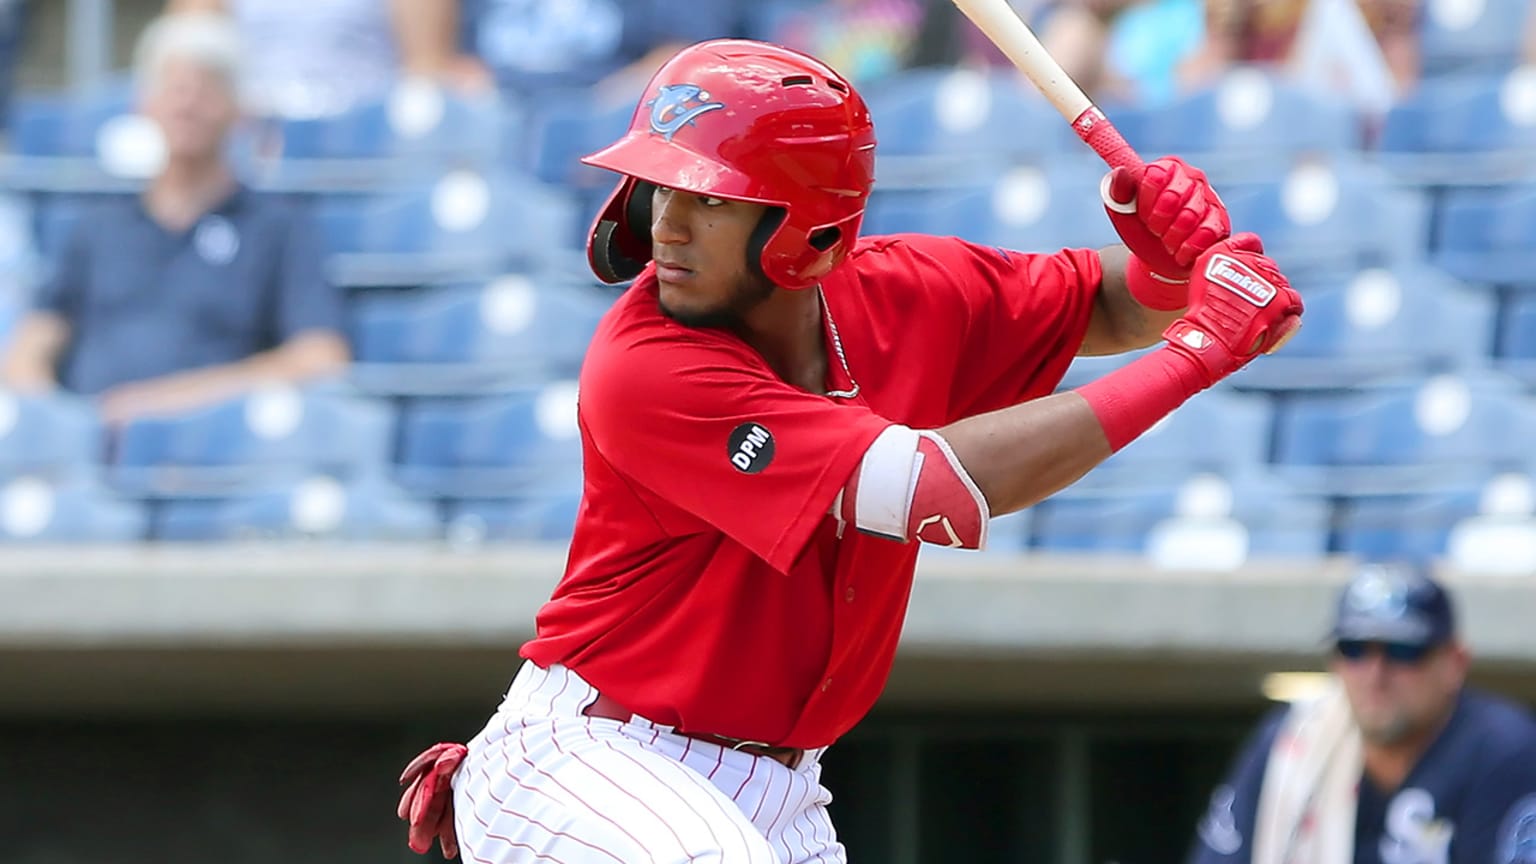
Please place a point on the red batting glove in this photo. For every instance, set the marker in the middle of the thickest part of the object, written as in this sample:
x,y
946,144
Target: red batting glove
x,y
1166,213
427,804
1240,306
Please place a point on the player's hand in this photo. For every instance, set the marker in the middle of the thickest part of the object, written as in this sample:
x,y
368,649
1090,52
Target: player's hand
x,y
1166,213
1240,306
427,804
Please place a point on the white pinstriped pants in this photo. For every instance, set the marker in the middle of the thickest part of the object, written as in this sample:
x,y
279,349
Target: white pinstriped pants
x,y
544,782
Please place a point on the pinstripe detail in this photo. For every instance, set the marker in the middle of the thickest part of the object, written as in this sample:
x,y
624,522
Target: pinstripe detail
x,y
543,782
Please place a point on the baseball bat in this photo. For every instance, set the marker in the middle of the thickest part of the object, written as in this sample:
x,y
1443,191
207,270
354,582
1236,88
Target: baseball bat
x,y
1013,37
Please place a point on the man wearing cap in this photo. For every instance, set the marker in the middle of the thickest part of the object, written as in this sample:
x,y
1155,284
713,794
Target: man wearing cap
x,y
1397,762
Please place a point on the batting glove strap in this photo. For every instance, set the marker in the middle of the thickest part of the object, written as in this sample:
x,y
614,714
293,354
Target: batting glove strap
x,y
1214,360
1154,290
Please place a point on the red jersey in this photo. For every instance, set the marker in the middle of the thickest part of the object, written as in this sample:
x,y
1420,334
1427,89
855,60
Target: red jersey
x,y
707,587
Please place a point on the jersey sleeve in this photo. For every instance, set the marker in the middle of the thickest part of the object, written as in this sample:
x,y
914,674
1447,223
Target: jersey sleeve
x,y
1498,823
1224,834
697,419
63,291
1023,316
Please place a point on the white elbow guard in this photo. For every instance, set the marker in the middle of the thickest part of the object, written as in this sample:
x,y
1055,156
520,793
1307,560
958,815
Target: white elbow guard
x,y
911,486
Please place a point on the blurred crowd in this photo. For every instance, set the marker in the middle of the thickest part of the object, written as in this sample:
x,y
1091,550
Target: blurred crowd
x,y
207,62
180,277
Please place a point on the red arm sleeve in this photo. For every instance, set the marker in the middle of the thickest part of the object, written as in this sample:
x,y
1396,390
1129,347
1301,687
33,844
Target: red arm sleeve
x,y
697,419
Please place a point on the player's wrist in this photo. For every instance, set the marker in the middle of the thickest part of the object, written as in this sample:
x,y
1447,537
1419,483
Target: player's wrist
x,y
1129,400
1160,291
1205,353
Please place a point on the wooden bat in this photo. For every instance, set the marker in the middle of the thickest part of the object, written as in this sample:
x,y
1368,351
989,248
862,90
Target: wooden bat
x,y
1013,37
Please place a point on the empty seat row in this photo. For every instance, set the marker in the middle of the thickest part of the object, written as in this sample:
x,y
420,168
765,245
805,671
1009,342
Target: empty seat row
x,y
319,507
1205,519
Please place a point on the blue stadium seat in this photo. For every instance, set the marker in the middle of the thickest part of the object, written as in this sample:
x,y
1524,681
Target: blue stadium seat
x,y
1250,116
1219,430
1033,208
517,329
466,223
561,131
548,516
416,120
964,113
18,243
68,124
1330,215
1091,368
1412,526
1456,37
268,436
1453,115
1201,520
1379,323
1517,352
35,510
316,508
500,446
52,435
1406,436
1489,235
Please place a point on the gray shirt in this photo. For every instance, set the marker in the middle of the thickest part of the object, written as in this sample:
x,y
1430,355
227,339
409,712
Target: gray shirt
x,y
142,301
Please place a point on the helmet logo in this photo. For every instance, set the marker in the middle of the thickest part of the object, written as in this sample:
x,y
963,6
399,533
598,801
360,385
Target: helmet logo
x,y
676,106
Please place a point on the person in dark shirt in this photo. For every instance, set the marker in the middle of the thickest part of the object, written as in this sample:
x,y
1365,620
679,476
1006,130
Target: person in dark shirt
x,y
1398,762
196,290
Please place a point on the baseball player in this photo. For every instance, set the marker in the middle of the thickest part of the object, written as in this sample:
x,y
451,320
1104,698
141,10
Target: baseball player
x,y
1396,763
774,416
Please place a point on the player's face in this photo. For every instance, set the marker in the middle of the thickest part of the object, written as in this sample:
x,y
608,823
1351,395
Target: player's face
x,y
1393,699
700,247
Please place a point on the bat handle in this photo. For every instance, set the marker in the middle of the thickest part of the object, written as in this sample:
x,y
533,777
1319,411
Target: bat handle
x,y
1100,134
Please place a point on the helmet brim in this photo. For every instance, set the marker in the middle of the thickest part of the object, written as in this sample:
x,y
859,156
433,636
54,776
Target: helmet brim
x,y
646,156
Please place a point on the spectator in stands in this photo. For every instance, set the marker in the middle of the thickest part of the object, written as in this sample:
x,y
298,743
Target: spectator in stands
x,y
1367,49
315,59
863,39
1126,51
197,289
1397,760
546,48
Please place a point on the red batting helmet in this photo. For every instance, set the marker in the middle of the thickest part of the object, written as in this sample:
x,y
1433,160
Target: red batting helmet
x,y
747,121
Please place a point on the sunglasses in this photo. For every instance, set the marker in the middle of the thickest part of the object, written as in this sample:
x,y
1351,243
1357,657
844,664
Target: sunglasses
x,y
1395,652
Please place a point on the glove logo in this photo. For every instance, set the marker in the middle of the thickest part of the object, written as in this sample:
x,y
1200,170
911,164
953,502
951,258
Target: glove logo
x,y
676,106
1195,339
1239,278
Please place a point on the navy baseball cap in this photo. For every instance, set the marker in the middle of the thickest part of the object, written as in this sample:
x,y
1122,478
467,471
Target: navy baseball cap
x,y
1394,603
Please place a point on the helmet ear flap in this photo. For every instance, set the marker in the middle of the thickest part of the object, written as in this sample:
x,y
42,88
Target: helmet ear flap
x,y
620,244
637,211
770,221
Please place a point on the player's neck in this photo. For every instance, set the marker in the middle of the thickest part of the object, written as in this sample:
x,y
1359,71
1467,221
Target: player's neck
x,y
787,330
